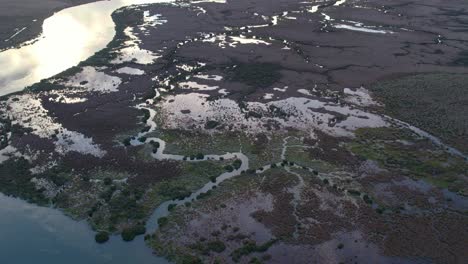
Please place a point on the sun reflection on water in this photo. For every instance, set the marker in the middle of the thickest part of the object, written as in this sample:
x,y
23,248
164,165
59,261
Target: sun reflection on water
x,y
69,36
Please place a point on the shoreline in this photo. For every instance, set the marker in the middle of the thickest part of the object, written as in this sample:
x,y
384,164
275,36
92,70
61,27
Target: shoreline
x,y
26,27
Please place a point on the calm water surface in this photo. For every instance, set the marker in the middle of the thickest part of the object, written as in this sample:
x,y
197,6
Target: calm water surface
x,y
69,36
33,234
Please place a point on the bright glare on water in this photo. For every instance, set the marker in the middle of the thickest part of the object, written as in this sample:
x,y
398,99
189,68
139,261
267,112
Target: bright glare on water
x,y
69,36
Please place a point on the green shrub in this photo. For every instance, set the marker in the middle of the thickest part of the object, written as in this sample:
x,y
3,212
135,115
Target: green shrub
x,y
107,181
146,115
255,260
251,247
128,234
156,146
229,168
367,199
189,259
203,195
211,124
237,164
171,207
354,192
163,221
101,237
251,171
216,246
126,141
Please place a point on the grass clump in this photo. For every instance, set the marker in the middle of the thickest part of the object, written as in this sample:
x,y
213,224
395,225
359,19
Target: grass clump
x,y
229,168
163,221
251,247
128,234
258,75
237,164
205,248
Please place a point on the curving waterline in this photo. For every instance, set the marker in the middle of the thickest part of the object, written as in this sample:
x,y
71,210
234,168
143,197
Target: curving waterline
x,y
435,140
162,209
68,37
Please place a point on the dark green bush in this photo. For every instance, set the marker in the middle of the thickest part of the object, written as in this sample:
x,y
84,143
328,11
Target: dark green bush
x,y
216,246
354,192
229,168
107,181
237,164
128,234
367,199
101,237
211,124
126,141
163,221
251,247
171,207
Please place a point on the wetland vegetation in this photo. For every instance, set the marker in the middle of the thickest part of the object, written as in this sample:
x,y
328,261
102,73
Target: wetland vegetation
x,y
437,103
241,143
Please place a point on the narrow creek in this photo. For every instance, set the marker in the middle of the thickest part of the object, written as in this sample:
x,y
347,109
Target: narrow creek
x,y
162,210
295,190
